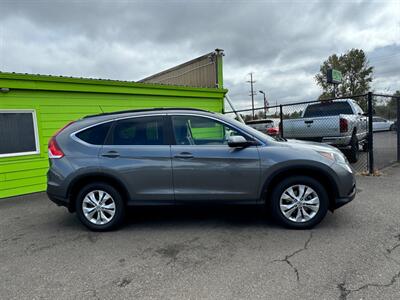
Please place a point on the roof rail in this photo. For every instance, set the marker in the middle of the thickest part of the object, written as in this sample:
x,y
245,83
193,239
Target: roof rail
x,y
144,110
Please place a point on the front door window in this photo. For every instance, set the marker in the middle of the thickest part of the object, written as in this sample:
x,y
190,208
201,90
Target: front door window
x,y
192,130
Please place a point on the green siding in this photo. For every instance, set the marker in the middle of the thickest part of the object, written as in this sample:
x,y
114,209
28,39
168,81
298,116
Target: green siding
x,y
59,100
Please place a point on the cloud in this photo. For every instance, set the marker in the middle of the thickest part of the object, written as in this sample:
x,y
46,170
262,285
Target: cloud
x,y
282,42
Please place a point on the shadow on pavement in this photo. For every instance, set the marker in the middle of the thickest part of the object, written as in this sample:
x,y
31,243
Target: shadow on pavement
x,y
194,216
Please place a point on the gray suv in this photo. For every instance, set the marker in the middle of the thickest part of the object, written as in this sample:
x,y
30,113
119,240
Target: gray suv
x,y
101,164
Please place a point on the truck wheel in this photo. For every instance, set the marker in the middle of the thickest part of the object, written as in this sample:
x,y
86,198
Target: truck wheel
x,y
354,154
365,147
299,202
99,207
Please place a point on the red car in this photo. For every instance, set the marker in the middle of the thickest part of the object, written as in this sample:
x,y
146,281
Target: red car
x,y
267,126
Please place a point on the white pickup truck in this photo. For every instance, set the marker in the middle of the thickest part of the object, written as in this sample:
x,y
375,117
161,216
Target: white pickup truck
x,y
340,123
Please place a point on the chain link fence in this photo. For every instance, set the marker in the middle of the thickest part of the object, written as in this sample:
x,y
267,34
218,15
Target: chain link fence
x,y
363,127
386,141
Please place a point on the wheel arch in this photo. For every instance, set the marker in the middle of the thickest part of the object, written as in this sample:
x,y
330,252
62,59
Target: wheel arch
x,y
86,179
319,174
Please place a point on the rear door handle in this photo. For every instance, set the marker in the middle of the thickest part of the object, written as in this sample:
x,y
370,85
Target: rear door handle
x,y
309,122
184,155
111,154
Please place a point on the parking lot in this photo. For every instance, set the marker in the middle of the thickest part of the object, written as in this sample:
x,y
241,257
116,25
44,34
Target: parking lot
x,y
208,252
204,253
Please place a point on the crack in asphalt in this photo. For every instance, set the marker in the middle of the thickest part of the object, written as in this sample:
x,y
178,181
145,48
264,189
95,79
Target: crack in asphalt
x,y
287,257
345,292
391,249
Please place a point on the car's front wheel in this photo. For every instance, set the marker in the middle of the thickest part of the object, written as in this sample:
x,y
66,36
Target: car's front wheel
x,y
99,207
299,202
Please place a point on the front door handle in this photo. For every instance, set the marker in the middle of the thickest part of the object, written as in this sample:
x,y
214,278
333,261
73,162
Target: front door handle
x,y
111,154
184,155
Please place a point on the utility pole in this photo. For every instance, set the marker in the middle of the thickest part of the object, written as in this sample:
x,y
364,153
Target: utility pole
x,y
252,93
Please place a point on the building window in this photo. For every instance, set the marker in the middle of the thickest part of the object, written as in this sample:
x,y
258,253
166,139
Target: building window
x,y
18,133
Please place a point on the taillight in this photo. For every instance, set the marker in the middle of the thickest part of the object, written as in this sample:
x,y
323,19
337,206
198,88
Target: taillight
x,y
273,131
55,150
344,125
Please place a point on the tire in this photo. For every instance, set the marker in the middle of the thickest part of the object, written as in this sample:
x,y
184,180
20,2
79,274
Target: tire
x,y
108,215
365,147
392,127
353,154
279,197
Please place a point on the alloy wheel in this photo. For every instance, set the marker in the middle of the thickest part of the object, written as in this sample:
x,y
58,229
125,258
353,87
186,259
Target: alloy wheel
x,y
299,203
98,207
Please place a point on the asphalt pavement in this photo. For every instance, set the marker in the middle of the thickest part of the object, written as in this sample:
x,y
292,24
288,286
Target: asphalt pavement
x,y
204,253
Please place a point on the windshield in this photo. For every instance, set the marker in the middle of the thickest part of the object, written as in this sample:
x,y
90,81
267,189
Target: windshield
x,y
247,128
328,109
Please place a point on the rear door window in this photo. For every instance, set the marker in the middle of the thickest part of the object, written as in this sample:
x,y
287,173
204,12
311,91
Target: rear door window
x,y
138,131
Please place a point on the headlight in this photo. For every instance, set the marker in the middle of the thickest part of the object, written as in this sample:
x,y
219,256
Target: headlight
x,y
334,156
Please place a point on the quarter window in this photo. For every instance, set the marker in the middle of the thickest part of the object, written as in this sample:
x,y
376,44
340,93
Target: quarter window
x,y
95,135
18,133
138,131
191,130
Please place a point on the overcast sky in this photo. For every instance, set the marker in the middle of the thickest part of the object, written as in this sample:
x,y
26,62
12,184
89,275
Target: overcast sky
x,y
282,42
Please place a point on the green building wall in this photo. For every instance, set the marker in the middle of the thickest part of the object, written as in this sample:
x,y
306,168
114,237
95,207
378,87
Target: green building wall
x,y
59,100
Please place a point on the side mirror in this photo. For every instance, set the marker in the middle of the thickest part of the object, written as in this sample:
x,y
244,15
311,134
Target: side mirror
x,y
237,141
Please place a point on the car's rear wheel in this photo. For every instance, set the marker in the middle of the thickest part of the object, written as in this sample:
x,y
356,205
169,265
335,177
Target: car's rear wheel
x,y
299,202
99,207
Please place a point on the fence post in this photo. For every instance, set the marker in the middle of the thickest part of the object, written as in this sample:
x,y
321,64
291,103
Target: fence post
x,y
398,128
370,134
281,122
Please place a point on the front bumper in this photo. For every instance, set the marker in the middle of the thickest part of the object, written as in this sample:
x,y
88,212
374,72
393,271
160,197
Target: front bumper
x,y
345,185
339,202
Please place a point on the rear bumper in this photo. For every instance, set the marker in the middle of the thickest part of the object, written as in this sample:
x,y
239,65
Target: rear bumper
x,y
339,141
60,201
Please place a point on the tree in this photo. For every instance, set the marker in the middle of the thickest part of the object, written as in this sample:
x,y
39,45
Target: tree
x,y
387,108
356,72
392,105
